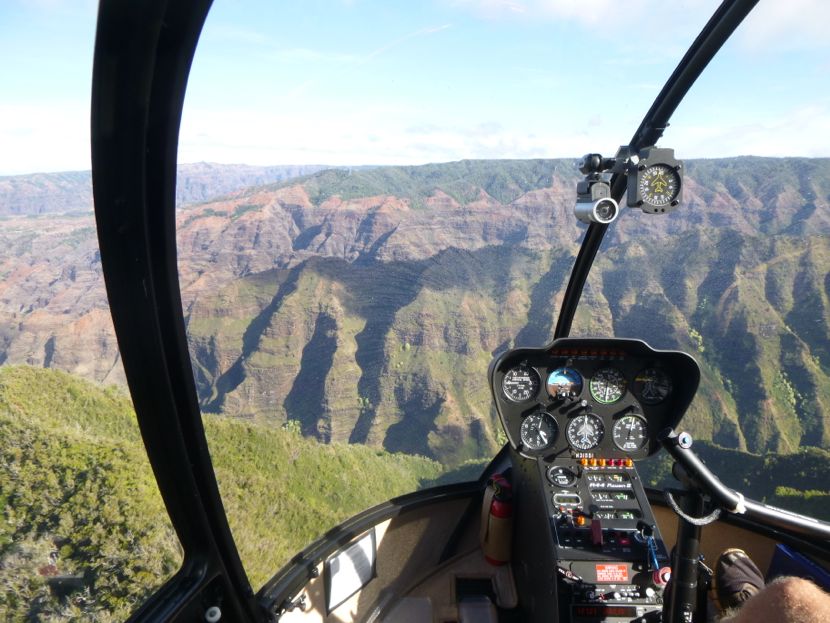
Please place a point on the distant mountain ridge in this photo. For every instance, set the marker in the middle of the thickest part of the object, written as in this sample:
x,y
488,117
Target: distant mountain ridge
x,y
71,191
365,305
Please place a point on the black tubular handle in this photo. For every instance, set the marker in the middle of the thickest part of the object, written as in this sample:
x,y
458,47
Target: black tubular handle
x,y
679,445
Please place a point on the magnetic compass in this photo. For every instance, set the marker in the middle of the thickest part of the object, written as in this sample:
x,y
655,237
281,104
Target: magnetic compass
x,y
659,185
655,181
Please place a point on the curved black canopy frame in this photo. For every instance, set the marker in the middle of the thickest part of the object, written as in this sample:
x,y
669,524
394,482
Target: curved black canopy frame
x,y
143,53
718,29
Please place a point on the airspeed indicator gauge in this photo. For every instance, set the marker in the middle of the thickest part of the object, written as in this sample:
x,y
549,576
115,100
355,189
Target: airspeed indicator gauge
x,y
520,383
538,431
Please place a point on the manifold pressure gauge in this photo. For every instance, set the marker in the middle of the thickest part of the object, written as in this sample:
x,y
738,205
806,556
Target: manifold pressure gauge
x,y
655,182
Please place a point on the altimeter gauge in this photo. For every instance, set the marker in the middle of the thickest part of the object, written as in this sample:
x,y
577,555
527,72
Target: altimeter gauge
x,y
630,433
538,431
520,383
585,431
607,386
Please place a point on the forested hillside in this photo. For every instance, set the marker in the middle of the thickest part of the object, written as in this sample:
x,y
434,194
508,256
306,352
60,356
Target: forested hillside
x,y
83,531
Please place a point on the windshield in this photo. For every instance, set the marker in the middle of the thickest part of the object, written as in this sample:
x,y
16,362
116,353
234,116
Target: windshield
x,y
373,203
342,316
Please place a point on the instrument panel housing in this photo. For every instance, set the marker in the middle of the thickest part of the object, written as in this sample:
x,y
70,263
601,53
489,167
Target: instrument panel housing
x,y
587,356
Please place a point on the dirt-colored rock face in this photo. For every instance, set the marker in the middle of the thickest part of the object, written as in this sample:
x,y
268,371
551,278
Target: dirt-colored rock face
x,y
367,304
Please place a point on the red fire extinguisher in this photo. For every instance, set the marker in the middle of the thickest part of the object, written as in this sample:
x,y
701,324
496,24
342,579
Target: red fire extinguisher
x,y
497,520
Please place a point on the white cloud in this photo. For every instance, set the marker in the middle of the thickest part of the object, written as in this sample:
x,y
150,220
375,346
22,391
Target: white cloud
x,y
794,24
802,131
376,136
44,137
775,24
605,16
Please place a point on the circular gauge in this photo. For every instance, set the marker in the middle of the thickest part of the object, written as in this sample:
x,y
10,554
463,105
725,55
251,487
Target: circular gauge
x,y
630,433
564,383
585,431
659,185
652,386
520,383
538,431
561,476
607,386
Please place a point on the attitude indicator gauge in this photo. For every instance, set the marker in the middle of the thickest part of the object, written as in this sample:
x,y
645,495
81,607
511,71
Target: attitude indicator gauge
x,y
652,386
630,433
607,386
564,383
585,431
520,383
538,431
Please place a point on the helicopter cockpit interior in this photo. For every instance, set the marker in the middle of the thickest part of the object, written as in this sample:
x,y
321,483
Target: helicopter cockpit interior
x,y
560,526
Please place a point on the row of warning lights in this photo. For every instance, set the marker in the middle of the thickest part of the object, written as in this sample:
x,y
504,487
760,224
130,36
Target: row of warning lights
x,y
594,462
575,352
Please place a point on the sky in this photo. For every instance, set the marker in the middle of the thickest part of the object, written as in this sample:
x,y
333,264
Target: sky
x,y
350,82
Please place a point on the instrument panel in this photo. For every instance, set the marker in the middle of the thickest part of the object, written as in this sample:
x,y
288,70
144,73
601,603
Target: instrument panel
x,y
586,397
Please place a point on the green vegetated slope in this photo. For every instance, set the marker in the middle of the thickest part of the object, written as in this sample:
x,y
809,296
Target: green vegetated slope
x,y
795,481
463,180
79,502
281,491
390,354
754,313
379,322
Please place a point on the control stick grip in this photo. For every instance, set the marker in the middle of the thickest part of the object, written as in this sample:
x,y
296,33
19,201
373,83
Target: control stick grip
x,y
679,445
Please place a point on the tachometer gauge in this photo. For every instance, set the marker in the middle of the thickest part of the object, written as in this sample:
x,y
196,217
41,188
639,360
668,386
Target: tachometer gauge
x,y
659,185
607,386
564,383
538,431
520,383
652,386
585,431
630,433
